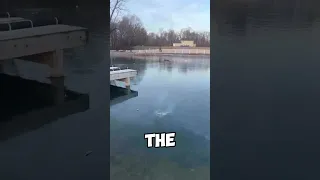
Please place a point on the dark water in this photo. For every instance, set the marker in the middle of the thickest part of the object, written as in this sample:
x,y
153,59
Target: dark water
x,y
28,105
265,100
173,97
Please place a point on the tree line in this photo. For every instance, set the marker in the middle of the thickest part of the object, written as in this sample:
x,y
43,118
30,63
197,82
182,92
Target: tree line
x,y
129,32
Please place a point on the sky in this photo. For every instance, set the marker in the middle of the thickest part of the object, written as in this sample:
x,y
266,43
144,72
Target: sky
x,y
171,14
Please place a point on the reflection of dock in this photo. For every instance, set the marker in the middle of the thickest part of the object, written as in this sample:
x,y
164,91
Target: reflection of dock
x,y
39,104
40,41
124,75
119,95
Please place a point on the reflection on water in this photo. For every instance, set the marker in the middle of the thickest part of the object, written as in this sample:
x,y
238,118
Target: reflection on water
x,y
28,105
119,95
173,97
266,89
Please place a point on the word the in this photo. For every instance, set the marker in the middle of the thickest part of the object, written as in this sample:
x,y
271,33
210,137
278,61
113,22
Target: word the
x,y
160,139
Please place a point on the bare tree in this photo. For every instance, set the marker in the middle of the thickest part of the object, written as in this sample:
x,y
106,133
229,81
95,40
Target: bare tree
x,y
116,7
129,32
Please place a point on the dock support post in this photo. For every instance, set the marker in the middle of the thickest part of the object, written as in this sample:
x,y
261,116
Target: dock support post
x,y
56,64
127,82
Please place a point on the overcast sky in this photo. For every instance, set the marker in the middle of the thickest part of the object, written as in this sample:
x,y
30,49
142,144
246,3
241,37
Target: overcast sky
x,y
171,14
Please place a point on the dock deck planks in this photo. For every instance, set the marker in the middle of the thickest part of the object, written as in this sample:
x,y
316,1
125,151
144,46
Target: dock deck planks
x,y
38,31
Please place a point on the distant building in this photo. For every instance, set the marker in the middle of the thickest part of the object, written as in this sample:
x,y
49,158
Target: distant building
x,y
184,43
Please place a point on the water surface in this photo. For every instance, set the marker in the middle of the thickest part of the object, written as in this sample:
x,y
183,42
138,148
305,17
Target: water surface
x,y
265,106
174,96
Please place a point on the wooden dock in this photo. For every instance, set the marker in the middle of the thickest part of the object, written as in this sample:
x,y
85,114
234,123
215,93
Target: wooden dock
x,y
124,75
40,44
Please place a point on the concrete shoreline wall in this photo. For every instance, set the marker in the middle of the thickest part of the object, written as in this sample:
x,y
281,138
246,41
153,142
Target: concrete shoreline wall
x,y
173,51
164,51
166,47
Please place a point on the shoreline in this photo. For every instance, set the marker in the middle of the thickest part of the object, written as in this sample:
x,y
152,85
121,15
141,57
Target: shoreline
x,y
145,55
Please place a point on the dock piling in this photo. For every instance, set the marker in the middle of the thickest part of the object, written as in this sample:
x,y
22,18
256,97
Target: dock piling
x,y
127,82
56,64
